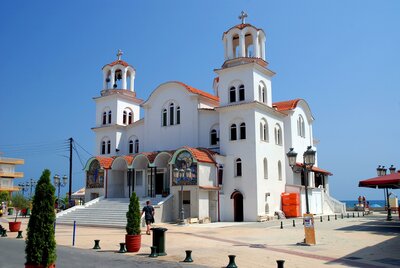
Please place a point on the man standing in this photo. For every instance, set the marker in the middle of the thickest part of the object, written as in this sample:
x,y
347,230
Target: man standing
x,y
148,211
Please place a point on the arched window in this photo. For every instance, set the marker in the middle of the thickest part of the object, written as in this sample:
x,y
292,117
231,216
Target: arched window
x,y
213,137
131,146
233,132
136,146
171,114
124,117
279,170
241,93
300,127
262,93
178,115
164,117
243,131
109,117
130,118
232,94
278,135
238,167
108,147
265,168
104,118
263,130
103,147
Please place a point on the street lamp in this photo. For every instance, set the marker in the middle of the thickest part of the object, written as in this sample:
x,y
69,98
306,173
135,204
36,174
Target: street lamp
x,y
381,171
181,175
58,183
23,187
308,163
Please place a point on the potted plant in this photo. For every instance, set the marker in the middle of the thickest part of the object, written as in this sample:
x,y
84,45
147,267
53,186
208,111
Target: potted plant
x,y
40,247
133,237
19,202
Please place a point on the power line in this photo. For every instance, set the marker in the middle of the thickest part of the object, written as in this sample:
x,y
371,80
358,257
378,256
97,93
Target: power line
x,y
83,149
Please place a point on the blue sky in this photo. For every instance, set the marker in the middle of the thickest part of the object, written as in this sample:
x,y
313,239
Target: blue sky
x,y
340,56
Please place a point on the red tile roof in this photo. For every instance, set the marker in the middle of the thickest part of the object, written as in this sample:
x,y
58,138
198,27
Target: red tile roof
x,y
242,26
105,162
121,62
215,188
201,154
286,105
199,92
317,169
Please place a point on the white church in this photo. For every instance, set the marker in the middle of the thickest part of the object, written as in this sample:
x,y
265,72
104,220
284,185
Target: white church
x,y
219,156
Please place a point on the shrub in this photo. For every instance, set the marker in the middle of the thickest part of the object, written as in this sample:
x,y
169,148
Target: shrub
x,y
133,216
19,202
40,246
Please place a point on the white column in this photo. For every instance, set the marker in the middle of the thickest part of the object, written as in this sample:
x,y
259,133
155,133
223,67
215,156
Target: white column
x,y
112,78
225,49
242,46
263,48
256,45
124,79
132,81
229,47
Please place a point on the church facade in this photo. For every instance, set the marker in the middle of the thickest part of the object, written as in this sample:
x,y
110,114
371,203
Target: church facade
x,y
220,156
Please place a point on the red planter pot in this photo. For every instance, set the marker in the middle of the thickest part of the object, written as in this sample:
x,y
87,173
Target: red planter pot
x,y
39,266
14,226
133,242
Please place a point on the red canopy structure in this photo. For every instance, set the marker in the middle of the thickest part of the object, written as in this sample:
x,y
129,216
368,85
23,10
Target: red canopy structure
x,y
388,181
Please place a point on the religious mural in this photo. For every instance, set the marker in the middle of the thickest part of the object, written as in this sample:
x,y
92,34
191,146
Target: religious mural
x,y
183,161
95,176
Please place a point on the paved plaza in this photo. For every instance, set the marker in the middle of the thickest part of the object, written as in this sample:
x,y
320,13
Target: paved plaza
x,y
367,241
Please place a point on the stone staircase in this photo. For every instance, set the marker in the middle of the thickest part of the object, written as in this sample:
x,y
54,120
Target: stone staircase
x,y
110,212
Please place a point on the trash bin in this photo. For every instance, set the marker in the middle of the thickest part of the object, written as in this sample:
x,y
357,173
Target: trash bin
x,y
159,240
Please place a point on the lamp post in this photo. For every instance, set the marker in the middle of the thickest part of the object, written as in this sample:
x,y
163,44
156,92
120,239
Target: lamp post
x,y
23,187
181,175
32,184
58,183
381,171
308,163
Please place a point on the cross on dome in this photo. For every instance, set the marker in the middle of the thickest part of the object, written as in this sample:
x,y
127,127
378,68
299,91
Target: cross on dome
x,y
119,54
243,16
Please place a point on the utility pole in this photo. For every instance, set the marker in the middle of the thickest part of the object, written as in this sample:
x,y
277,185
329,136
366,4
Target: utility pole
x,y
70,171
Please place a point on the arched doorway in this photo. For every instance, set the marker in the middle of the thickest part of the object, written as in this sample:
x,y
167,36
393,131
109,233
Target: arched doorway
x,y
117,179
237,206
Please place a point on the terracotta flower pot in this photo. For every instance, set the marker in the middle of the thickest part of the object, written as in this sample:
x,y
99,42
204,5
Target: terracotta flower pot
x,y
27,265
133,242
14,226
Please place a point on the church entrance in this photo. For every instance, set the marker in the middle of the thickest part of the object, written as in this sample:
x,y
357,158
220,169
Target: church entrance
x,y
237,206
159,183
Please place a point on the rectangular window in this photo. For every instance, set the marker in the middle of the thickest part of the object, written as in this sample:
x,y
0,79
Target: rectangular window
x,y
139,178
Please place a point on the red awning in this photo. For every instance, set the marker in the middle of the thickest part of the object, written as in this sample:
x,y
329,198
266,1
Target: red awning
x,y
388,181
316,169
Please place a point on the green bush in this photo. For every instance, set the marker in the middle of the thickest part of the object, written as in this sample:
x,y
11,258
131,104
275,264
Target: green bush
x,y
4,196
40,245
133,216
18,201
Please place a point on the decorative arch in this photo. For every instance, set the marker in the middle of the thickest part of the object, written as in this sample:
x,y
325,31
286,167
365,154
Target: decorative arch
x,y
278,134
262,92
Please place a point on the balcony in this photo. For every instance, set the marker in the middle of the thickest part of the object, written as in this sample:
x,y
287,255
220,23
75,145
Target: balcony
x,y
11,161
9,188
12,174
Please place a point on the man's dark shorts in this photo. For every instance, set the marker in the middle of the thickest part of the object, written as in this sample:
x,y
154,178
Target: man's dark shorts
x,y
148,222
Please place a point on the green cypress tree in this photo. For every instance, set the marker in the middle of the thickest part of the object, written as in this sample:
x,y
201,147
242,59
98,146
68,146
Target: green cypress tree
x,y
133,216
40,243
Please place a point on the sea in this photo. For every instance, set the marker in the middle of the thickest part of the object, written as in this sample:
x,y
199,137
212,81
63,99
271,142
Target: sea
x,y
372,203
